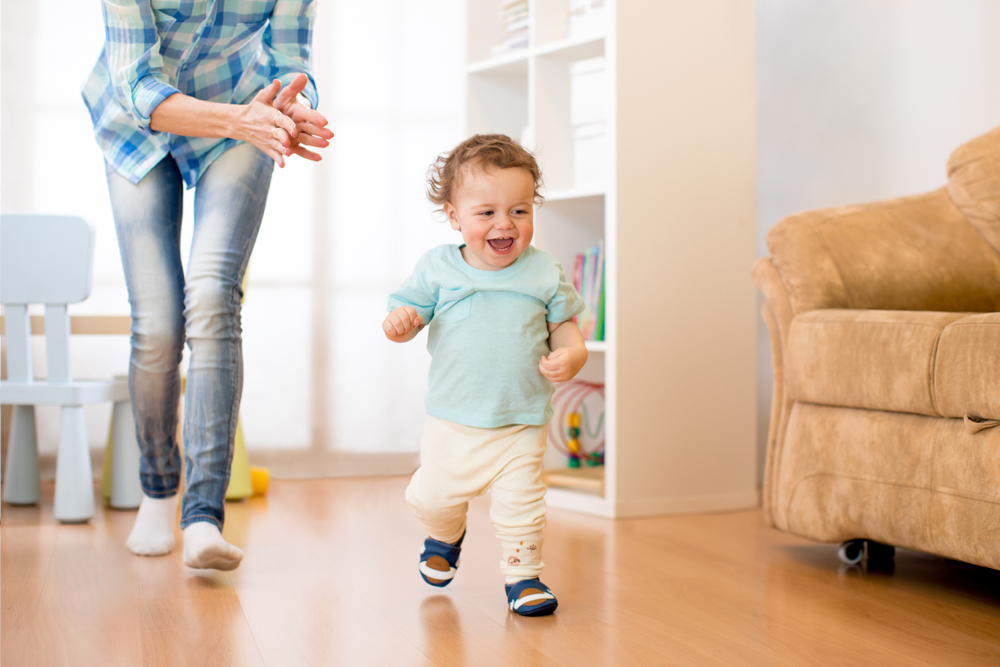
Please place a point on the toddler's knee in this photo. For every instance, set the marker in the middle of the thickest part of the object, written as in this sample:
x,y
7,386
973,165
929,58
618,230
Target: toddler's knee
x,y
427,505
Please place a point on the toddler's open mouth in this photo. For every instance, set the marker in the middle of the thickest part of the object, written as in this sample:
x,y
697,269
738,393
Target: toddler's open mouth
x,y
501,245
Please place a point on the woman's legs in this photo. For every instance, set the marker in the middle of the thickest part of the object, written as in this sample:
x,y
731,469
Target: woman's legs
x,y
229,205
148,222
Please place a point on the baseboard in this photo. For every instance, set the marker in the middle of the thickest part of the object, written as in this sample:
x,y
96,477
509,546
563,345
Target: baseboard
x,y
720,502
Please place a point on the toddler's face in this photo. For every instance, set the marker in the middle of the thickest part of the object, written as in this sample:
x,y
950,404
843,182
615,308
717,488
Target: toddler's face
x,y
494,210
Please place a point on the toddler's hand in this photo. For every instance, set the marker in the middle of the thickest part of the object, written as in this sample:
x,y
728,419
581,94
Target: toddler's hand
x,y
562,364
402,324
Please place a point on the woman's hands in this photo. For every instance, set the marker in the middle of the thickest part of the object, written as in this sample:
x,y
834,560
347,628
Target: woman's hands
x,y
310,125
402,324
263,122
264,126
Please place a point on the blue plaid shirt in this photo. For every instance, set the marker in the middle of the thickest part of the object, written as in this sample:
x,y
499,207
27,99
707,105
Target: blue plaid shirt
x,y
215,50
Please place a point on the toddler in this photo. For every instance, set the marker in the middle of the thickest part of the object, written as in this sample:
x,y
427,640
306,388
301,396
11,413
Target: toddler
x,y
501,332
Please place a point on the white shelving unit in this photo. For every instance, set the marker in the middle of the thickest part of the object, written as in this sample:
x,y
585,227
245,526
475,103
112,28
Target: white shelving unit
x,y
526,94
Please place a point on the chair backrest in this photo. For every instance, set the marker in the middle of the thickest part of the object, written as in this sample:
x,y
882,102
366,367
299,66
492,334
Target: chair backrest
x,y
45,259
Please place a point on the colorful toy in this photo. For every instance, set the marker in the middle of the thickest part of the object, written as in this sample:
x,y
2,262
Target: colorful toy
x,y
571,407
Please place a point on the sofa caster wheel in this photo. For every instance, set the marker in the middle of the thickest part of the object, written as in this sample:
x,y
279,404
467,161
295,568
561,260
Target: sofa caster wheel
x,y
851,552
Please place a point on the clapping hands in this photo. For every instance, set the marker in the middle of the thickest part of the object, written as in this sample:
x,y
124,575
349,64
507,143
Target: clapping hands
x,y
280,125
310,125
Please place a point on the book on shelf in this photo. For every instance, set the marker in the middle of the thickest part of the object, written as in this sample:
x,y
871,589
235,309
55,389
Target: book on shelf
x,y
514,15
588,279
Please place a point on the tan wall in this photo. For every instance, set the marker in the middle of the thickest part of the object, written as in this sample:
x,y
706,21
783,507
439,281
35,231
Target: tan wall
x,y
685,232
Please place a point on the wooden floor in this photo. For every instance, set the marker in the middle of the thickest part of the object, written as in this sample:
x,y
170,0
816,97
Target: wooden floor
x,y
330,578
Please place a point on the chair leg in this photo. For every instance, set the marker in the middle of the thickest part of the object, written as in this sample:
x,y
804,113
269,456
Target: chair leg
x,y
21,484
126,491
74,476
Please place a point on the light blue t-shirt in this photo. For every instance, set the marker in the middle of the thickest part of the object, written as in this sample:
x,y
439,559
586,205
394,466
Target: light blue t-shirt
x,y
487,333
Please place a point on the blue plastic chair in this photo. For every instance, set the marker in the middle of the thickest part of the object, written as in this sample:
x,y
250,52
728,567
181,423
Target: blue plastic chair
x,y
48,259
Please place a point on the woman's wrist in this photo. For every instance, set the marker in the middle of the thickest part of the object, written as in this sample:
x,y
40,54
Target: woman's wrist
x,y
188,116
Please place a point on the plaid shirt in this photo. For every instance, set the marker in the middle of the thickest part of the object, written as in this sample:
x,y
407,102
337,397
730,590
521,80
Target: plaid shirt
x,y
215,50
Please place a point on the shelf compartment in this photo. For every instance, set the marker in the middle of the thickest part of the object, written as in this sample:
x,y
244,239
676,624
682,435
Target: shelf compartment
x,y
573,153
553,24
565,227
484,29
497,99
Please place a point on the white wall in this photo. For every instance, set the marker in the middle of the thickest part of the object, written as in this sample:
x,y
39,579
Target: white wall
x,y
862,100
320,378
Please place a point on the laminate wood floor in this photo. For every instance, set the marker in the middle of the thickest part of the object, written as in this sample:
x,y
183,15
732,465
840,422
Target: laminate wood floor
x,y
330,578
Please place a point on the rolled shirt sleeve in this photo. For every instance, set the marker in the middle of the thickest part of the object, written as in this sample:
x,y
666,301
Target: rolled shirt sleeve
x,y
286,45
134,59
566,302
417,293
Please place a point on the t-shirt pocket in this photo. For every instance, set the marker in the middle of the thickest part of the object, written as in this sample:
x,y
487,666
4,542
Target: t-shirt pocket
x,y
454,305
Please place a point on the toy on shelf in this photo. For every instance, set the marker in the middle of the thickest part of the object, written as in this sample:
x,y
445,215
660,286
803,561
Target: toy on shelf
x,y
569,401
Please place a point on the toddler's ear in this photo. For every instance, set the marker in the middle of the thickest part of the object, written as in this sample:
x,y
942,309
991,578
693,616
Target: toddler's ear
x,y
452,214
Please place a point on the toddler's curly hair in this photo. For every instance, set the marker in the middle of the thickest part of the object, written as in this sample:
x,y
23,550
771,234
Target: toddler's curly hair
x,y
487,151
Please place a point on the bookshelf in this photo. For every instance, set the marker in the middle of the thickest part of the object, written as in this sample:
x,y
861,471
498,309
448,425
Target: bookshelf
x,y
667,186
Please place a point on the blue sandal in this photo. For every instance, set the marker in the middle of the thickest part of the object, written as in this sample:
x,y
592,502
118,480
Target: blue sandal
x,y
439,561
530,597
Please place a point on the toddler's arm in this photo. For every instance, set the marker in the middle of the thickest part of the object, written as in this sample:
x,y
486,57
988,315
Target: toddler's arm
x,y
569,353
402,324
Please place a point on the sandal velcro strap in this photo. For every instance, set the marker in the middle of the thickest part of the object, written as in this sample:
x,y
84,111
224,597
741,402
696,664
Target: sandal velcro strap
x,y
530,597
439,561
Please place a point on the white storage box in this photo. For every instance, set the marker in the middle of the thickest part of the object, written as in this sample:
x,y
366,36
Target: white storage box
x,y
590,145
586,19
588,91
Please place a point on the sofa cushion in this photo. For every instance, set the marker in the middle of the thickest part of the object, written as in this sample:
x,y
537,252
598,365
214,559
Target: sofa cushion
x,y
967,368
873,359
974,183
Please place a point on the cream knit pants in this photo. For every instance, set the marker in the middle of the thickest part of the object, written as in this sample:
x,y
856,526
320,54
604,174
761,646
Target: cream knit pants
x,y
458,463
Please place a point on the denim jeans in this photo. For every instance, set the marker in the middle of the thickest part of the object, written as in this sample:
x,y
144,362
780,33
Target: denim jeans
x,y
202,307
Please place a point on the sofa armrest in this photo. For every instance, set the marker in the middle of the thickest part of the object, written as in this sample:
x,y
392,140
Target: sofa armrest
x,y
912,253
766,277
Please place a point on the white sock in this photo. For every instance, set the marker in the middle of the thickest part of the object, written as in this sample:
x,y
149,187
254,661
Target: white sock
x,y
153,532
204,547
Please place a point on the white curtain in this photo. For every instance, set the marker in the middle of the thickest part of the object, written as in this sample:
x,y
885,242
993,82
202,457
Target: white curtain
x,y
324,392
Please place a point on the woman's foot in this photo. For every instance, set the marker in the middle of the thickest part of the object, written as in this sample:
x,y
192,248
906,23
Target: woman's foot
x,y
153,532
439,561
205,548
530,597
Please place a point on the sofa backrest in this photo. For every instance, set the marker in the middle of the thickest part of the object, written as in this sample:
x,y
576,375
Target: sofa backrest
x,y
974,183
914,253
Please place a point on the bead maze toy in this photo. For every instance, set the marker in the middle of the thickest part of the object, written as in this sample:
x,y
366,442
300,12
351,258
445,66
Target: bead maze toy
x,y
569,401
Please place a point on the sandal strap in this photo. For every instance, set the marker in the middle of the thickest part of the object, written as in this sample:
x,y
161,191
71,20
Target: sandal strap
x,y
519,602
514,590
440,575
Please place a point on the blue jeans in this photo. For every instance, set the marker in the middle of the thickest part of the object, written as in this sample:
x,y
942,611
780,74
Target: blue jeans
x,y
202,307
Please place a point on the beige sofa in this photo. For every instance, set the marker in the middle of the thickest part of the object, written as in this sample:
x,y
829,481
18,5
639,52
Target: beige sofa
x,y
885,333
